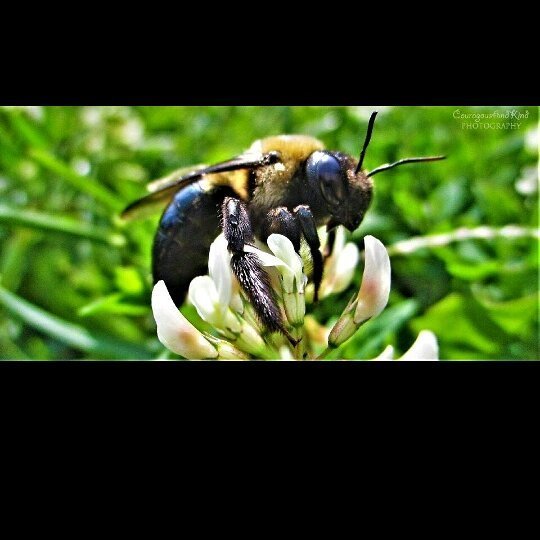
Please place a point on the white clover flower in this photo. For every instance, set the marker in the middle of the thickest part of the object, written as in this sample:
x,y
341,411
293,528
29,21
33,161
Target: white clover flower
x,y
293,280
372,296
175,331
213,295
375,288
285,259
219,269
424,348
387,354
205,296
220,302
339,266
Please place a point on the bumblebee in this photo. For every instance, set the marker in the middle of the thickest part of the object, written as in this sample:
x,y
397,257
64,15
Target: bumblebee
x,y
286,184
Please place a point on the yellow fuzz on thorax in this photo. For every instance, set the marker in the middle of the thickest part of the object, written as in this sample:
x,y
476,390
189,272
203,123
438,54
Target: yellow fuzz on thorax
x,y
293,149
238,180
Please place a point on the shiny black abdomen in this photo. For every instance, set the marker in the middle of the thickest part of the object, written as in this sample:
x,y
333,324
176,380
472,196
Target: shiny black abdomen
x,y
187,228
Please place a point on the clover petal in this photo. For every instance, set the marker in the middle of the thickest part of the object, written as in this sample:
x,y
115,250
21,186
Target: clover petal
x,y
174,330
375,287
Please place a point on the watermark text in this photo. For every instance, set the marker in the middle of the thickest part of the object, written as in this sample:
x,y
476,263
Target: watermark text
x,y
491,120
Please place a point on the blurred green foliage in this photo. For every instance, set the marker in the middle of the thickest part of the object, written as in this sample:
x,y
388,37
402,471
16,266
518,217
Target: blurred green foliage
x,y
75,280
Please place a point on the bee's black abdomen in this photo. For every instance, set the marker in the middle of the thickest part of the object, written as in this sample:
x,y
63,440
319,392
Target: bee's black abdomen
x,y
187,228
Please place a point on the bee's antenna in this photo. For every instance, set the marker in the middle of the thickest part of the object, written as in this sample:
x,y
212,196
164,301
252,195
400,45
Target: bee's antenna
x,y
366,142
387,166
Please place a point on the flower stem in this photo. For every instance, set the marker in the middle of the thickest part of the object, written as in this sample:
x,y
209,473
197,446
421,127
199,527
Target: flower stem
x,y
404,247
299,349
325,353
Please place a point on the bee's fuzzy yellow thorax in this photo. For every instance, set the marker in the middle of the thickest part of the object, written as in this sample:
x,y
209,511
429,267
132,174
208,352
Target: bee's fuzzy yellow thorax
x,y
293,150
291,147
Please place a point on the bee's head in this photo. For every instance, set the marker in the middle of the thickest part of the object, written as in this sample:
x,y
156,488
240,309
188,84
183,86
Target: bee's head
x,y
344,187
345,192
340,184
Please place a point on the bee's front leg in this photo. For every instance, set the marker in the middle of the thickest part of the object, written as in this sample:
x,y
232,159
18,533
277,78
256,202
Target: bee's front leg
x,y
293,225
329,247
246,266
281,221
305,218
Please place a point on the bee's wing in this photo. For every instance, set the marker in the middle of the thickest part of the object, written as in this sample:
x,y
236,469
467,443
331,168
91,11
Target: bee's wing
x,y
161,183
146,206
164,189
161,192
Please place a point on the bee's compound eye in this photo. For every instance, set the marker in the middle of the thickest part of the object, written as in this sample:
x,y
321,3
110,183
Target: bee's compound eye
x,y
325,170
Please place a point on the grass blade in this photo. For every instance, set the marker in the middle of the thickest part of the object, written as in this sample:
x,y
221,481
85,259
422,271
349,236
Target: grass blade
x,y
60,224
85,184
27,131
71,334
112,304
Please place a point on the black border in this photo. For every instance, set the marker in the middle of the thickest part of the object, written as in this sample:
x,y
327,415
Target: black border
x,y
319,383
311,80
330,56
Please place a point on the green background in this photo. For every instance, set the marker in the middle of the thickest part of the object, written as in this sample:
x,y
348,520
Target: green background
x,y
75,282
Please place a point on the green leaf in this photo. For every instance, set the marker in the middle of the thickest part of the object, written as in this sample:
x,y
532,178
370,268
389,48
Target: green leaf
x,y
448,199
452,322
514,316
499,204
128,280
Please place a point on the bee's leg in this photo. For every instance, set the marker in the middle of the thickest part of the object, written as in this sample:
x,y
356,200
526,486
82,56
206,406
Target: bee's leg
x,y
309,229
329,247
246,267
281,221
